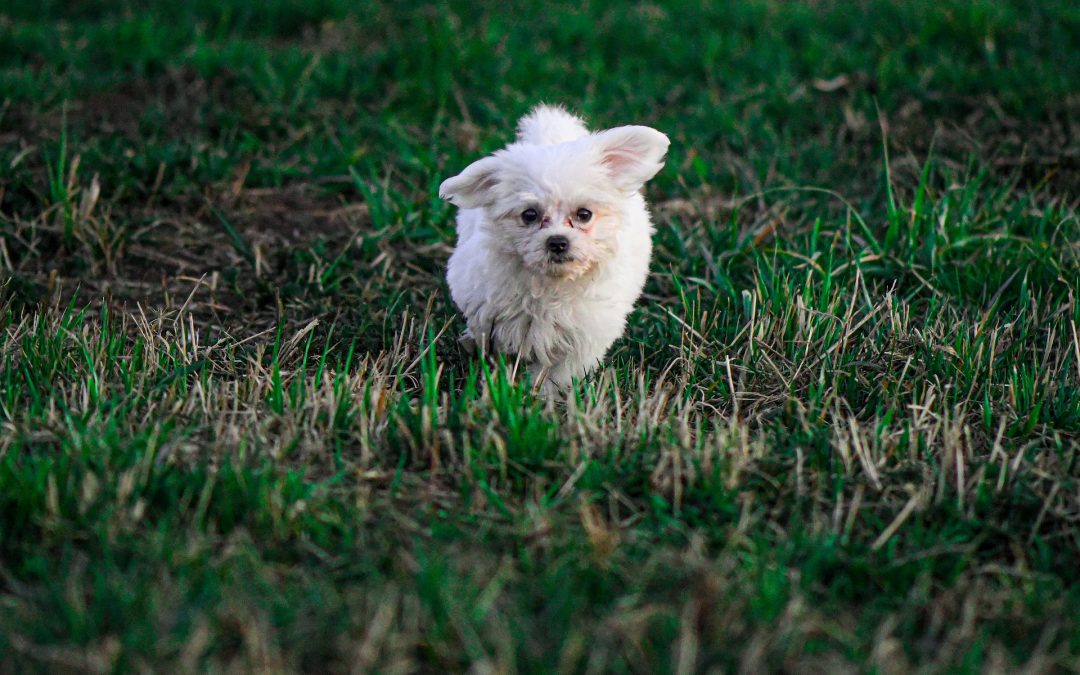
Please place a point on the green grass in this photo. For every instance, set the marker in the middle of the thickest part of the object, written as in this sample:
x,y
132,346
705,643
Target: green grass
x,y
236,431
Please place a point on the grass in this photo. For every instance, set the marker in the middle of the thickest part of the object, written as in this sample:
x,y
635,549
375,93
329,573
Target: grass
x,y
236,432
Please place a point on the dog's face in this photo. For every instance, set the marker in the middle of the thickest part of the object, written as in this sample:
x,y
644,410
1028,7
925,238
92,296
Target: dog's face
x,y
558,207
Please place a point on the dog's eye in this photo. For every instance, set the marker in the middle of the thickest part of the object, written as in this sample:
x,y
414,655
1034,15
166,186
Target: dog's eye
x,y
529,216
584,215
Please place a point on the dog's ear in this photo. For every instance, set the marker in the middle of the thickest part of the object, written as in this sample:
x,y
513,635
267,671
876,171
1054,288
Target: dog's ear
x,y
472,187
632,155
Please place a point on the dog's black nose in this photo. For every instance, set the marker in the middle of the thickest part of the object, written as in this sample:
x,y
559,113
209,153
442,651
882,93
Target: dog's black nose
x,y
558,243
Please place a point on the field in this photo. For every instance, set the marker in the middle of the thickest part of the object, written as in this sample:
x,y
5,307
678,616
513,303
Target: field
x,y
237,433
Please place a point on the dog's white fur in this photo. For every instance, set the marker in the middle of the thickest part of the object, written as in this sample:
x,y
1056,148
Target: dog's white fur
x,y
558,313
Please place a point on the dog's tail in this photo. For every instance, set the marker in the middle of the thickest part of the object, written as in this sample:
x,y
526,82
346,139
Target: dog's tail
x,y
548,125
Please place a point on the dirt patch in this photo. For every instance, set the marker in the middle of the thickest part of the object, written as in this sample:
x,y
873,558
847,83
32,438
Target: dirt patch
x,y
224,259
187,101
239,241
1042,153
291,215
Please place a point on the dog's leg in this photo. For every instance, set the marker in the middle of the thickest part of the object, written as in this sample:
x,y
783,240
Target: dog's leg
x,y
554,381
542,383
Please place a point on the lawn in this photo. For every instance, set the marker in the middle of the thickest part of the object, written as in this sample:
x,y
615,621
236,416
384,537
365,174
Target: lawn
x,y
237,432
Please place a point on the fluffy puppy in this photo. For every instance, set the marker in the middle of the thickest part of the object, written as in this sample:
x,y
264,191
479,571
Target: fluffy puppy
x,y
554,241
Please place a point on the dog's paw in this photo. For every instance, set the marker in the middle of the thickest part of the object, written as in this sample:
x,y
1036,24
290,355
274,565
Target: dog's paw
x,y
467,342
544,386
549,391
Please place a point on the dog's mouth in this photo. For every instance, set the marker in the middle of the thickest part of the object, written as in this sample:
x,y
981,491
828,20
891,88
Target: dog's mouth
x,y
565,266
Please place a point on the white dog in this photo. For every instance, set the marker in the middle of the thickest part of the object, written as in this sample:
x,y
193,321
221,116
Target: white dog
x,y
554,240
